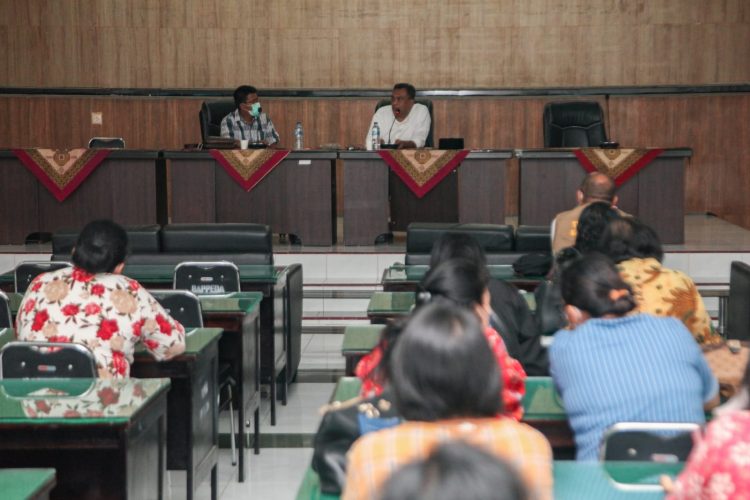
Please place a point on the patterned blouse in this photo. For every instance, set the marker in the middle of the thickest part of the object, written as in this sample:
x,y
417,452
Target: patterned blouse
x,y
109,313
374,456
719,465
512,373
666,292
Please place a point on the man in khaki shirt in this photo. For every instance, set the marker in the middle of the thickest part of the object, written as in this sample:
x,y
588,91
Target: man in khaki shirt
x,y
595,187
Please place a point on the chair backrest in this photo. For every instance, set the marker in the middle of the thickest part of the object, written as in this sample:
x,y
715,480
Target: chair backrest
x,y
46,360
429,142
207,278
738,306
210,117
573,124
142,239
182,305
107,142
668,442
533,239
6,320
25,272
495,239
243,243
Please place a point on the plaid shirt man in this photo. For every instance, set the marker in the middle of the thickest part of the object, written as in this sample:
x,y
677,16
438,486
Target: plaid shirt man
x,y
261,129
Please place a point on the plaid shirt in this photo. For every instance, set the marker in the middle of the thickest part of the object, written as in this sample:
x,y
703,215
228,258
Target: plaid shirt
x,y
374,456
261,129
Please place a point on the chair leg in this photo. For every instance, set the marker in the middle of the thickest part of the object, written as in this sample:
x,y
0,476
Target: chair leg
x,y
233,435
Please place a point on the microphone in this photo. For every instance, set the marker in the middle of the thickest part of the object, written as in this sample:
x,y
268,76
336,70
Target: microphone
x,y
389,130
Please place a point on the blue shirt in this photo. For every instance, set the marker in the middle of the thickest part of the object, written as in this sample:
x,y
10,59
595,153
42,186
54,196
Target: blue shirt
x,y
637,368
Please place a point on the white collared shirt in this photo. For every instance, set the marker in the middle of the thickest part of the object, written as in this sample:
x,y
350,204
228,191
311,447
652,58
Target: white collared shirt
x,y
415,127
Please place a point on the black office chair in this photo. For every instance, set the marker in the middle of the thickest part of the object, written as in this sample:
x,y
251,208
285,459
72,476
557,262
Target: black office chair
x,y
107,143
210,117
182,305
738,305
6,319
576,124
25,272
429,142
46,360
207,278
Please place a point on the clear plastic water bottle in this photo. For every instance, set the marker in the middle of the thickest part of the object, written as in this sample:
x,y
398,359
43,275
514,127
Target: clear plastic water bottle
x,y
375,136
299,135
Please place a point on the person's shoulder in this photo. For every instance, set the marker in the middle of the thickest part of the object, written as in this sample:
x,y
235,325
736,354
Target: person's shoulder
x,y
420,109
522,431
229,115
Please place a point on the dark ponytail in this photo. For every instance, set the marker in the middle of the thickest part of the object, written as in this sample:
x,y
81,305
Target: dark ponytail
x,y
592,284
461,281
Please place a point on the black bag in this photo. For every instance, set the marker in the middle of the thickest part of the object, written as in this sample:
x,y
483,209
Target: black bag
x,y
339,429
533,264
550,316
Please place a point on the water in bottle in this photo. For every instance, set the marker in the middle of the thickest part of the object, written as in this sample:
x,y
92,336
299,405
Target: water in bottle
x,y
375,136
298,136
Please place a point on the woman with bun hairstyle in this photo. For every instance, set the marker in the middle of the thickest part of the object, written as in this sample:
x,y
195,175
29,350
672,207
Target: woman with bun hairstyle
x,y
612,367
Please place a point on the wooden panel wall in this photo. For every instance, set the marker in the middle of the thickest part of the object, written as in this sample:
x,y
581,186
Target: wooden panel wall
x,y
372,44
716,126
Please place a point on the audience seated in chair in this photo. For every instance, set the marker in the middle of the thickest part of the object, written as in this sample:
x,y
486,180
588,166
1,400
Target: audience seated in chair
x,y
456,470
614,367
93,304
406,122
658,290
446,384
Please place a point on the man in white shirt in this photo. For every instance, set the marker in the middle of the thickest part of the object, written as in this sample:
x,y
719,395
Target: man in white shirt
x,y
404,123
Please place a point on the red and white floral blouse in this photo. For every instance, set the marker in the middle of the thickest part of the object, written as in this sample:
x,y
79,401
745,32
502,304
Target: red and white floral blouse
x,y
109,313
719,465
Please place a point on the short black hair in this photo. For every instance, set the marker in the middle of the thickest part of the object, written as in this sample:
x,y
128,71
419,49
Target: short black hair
x,y
452,245
410,90
592,223
443,366
241,93
629,238
461,281
453,470
586,283
101,246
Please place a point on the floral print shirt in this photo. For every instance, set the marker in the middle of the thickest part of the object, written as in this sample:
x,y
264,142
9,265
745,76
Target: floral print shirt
x,y
511,371
109,313
666,292
719,465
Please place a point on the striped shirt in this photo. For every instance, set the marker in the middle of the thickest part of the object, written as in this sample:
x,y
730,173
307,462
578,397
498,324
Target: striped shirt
x,y
374,456
638,368
261,129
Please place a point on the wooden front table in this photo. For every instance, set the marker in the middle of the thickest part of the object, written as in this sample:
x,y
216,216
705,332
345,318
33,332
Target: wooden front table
x,y
123,188
297,197
105,438
549,180
474,192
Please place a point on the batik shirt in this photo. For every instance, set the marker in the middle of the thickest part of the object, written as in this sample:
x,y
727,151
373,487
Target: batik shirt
x,y
261,129
109,313
666,292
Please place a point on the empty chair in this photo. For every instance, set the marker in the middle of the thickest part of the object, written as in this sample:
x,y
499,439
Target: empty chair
x,y
25,272
46,360
210,117
182,305
573,124
107,142
6,320
738,305
207,278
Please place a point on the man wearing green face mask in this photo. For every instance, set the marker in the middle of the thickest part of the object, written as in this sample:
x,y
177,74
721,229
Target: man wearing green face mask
x,y
249,121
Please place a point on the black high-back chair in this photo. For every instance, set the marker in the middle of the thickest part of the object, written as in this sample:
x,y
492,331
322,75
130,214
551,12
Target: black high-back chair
x,y
107,142
207,278
429,142
210,117
576,124
6,320
738,305
46,360
182,305
25,272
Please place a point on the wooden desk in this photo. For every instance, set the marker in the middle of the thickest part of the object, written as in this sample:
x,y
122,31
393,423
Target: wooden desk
x,y
192,406
105,438
123,188
549,180
297,197
474,192
27,484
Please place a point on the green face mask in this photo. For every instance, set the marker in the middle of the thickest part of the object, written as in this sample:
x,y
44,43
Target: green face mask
x,y
255,110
